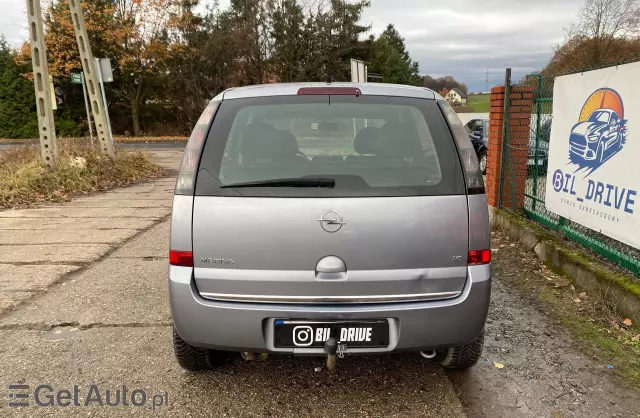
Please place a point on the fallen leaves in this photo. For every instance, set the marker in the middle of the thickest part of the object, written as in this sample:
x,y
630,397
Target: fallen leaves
x,y
498,365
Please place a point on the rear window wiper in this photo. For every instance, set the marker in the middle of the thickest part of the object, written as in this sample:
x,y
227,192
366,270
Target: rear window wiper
x,y
293,182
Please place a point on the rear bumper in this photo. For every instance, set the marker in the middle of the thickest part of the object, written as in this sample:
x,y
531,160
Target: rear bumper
x,y
414,326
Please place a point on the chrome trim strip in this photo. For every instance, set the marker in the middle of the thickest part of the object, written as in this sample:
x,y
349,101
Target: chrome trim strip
x,y
419,297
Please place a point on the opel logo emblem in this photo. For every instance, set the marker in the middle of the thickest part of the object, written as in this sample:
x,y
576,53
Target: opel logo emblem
x,y
331,221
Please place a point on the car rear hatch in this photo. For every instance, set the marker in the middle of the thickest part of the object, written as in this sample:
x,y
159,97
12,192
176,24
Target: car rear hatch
x,y
330,199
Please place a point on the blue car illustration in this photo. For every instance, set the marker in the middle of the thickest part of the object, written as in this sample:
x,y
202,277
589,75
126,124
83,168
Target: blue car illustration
x,y
597,139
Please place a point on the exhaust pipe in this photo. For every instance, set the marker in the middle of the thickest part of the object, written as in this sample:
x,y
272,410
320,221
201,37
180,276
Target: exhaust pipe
x,y
250,356
428,354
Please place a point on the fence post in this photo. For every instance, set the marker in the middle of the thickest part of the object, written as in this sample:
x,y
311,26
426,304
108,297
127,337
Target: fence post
x,y
509,130
537,103
497,113
505,131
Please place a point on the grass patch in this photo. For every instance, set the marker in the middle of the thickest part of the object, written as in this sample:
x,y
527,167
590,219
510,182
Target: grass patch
x,y
480,103
606,341
595,324
79,170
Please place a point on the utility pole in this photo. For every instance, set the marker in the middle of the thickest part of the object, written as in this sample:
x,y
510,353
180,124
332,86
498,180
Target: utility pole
x,y
487,82
89,68
46,125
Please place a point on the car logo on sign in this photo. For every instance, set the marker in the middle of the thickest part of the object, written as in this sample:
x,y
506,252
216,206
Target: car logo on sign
x,y
331,221
601,131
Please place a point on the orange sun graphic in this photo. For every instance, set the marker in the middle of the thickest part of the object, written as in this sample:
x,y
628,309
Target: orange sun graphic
x,y
602,99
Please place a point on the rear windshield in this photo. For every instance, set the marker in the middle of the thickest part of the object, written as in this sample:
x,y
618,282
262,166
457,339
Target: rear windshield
x,y
370,146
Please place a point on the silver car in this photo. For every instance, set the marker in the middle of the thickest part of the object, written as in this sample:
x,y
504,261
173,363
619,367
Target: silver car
x,y
329,219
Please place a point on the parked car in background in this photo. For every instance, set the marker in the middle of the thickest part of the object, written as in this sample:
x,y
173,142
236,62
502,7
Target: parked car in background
x,y
478,130
543,146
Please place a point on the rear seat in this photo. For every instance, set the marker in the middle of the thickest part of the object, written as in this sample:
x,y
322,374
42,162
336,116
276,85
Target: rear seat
x,y
263,142
365,144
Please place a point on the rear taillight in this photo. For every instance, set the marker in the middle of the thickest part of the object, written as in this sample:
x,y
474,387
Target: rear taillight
x,y
191,157
181,258
479,257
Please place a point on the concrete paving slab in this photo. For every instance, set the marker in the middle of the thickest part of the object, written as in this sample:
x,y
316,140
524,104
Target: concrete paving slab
x,y
64,236
113,292
31,277
75,212
121,203
73,223
153,243
142,358
52,253
11,299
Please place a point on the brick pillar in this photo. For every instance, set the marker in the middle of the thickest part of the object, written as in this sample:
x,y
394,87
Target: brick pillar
x,y
519,117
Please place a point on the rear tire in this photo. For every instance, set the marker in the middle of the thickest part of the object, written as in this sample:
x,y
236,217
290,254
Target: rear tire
x,y
195,358
464,356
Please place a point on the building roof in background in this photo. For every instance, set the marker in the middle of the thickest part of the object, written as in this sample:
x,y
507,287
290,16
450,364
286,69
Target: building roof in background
x,y
460,92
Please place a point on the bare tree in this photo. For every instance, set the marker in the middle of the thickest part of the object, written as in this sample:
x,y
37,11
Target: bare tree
x,y
602,23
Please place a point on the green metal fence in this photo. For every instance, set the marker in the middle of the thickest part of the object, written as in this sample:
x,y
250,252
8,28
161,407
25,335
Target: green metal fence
x,y
535,183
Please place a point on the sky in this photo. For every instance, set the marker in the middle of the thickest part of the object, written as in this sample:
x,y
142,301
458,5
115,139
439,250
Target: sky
x,y
461,38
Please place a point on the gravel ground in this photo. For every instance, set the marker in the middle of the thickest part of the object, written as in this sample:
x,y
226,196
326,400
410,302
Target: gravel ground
x,y
545,373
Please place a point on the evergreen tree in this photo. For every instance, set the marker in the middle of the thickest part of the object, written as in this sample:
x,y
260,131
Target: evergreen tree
x,y
390,58
17,98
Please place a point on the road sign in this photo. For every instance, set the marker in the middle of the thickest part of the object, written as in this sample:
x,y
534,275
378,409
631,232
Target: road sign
x,y
105,70
75,78
358,71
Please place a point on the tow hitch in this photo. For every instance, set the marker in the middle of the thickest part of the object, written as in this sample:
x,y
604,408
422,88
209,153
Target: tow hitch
x,y
333,350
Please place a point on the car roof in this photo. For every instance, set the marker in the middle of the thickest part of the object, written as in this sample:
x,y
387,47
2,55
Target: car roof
x,y
291,89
